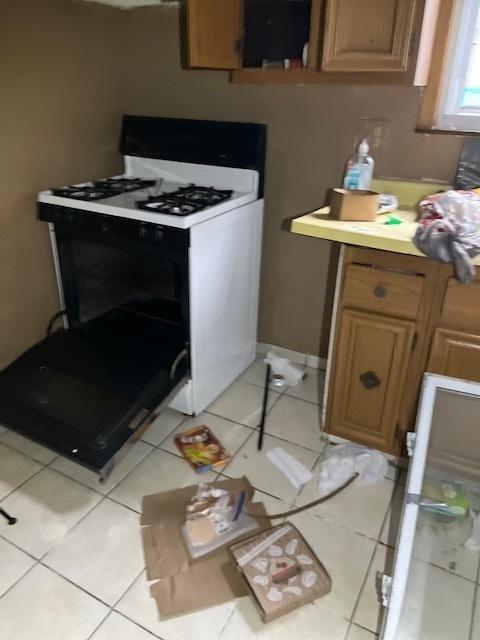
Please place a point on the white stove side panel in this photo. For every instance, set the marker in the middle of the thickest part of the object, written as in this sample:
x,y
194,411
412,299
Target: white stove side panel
x,y
224,267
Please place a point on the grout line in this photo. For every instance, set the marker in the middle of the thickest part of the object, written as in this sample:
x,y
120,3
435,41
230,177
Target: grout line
x,y
154,635
185,418
78,586
22,483
108,494
242,424
42,557
99,625
121,504
20,578
475,605
128,588
14,544
26,455
295,444
360,626
362,587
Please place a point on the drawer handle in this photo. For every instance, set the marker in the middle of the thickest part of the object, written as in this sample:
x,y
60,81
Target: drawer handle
x,y
369,379
379,291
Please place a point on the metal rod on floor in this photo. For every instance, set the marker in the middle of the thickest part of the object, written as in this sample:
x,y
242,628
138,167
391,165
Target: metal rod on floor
x,y
264,408
7,517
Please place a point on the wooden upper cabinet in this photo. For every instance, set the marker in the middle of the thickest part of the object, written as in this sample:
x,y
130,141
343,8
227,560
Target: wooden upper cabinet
x,y
371,361
214,29
368,35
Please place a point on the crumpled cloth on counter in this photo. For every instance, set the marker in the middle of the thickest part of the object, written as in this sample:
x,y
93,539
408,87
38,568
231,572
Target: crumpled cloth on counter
x,y
449,230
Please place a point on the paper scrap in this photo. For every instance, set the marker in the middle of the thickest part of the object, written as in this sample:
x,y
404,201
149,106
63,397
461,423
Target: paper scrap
x,y
295,471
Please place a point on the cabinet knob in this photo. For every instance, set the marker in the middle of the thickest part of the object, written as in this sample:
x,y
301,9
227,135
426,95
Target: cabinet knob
x,y
369,379
379,291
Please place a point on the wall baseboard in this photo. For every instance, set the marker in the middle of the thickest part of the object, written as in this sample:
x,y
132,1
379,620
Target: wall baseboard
x,y
302,359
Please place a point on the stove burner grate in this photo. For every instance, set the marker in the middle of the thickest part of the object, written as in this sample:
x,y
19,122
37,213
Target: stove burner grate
x,y
105,188
185,200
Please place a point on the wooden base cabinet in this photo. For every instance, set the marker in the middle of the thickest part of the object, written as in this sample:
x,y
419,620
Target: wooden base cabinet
x,y
396,316
371,363
455,354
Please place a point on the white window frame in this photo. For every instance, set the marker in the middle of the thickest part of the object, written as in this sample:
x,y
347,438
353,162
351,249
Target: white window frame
x,y
452,115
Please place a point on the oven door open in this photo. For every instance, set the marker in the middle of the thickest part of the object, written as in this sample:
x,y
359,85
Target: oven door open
x,y
86,388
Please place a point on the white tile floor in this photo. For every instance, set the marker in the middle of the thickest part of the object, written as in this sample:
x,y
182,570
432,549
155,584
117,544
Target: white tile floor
x,y
72,567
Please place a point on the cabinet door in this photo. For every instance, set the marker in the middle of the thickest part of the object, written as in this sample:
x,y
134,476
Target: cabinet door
x,y
371,361
368,35
455,354
214,33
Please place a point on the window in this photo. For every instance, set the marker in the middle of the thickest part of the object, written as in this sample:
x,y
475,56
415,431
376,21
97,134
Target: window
x,y
459,106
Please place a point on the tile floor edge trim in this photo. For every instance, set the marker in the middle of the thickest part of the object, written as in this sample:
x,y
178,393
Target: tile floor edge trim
x,y
297,357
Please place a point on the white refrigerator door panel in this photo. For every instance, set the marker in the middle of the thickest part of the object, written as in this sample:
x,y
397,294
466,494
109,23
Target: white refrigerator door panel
x,y
401,620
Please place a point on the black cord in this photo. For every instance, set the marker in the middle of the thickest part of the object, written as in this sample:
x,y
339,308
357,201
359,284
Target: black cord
x,y
55,317
292,512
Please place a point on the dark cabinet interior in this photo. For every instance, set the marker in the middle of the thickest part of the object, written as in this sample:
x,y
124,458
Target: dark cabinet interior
x,y
275,31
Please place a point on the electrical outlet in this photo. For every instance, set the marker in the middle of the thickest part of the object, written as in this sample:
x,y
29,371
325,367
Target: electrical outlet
x,y
377,135
375,130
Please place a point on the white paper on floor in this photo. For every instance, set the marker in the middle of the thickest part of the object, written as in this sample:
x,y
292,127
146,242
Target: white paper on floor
x,y
295,471
343,460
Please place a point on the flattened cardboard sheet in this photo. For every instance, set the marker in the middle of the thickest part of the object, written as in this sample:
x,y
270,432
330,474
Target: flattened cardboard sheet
x,y
184,584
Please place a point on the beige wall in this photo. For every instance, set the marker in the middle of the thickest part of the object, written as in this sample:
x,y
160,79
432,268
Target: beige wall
x,y
68,70
60,108
311,132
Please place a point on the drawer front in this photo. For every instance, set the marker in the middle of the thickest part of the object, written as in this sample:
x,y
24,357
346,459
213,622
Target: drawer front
x,y
455,354
382,291
461,306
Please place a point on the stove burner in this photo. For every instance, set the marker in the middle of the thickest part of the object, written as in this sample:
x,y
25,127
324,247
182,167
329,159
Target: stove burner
x,y
185,200
105,188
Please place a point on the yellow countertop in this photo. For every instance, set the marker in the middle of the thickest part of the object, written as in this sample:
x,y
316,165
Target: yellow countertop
x,y
375,235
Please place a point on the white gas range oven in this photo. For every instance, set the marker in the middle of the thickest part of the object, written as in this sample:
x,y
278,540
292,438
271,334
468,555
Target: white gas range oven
x,y
158,278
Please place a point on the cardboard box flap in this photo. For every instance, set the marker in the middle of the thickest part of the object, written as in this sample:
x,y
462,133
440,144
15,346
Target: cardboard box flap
x,y
163,515
170,505
207,584
164,555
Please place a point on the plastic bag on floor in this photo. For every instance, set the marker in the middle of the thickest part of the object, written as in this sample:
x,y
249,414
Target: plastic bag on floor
x,y
343,460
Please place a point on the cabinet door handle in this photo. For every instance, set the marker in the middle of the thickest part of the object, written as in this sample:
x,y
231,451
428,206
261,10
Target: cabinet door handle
x,y
369,379
379,291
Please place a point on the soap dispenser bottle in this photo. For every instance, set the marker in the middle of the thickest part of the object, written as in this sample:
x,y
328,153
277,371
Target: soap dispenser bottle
x,y
359,169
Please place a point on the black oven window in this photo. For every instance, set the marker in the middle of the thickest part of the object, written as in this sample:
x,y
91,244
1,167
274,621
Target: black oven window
x,y
127,290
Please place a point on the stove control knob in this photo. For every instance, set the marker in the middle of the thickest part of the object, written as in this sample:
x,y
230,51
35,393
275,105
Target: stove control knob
x,y
159,233
143,232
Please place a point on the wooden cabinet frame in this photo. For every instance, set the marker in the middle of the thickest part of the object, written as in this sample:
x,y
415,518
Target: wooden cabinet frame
x,y
319,45
429,309
446,318
394,58
213,41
